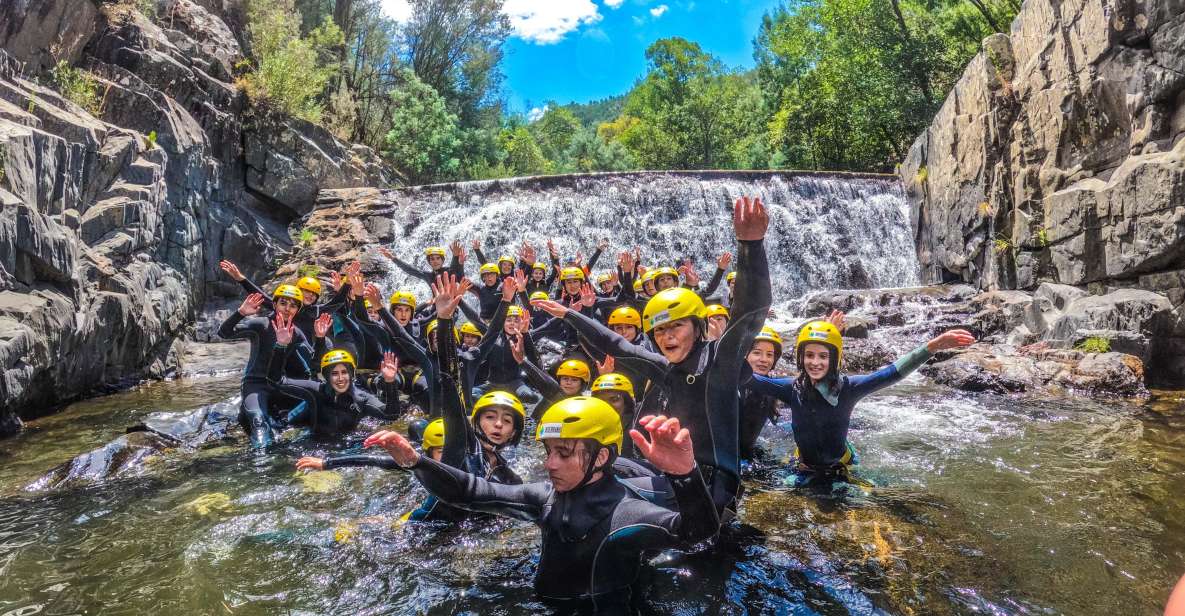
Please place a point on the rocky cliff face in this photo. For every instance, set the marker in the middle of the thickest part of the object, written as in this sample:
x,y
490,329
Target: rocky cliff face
x,y
1058,157
109,239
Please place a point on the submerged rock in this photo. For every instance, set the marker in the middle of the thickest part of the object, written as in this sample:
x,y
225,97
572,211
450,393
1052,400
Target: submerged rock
x,y
1037,369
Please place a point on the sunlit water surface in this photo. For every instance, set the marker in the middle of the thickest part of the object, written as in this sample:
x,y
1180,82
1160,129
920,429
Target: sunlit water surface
x,y
982,504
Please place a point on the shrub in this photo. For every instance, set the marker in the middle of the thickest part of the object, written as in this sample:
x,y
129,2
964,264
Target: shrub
x,y
308,269
922,176
307,237
1095,344
150,140
78,86
289,73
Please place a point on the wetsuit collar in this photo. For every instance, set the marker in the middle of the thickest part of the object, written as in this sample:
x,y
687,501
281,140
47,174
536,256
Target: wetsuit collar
x,y
578,511
832,397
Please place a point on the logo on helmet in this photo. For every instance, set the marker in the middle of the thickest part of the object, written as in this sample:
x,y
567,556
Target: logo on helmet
x,y
660,318
818,334
551,430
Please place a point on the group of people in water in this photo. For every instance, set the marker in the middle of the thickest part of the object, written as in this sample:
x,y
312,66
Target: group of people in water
x,y
656,397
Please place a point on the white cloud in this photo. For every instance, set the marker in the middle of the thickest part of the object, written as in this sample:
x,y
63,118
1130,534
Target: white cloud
x,y
399,10
538,112
658,11
614,4
547,21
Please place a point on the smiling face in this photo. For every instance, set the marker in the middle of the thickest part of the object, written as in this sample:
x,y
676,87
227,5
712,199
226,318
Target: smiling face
x,y
572,287
286,307
309,298
489,279
435,261
512,325
816,361
666,281
339,378
629,332
373,313
607,286
676,339
571,385
761,357
469,340
538,275
497,423
402,314
648,287
506,267
568,460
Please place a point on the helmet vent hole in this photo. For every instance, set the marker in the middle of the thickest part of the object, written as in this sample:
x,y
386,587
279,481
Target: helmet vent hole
x,y
571,419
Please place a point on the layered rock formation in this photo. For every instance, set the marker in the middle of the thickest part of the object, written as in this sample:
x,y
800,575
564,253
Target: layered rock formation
x,y
1058,157
110,238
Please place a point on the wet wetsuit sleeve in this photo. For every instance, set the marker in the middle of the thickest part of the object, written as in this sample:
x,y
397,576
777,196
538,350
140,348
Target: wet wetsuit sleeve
x,y
371,405
234,327
320,348
602,339
472,315
696,520
592,261
376,460
860,386
492,334
542,382
338,300
521,502
411,270
250,287
481,258
458,432
779,388
456,267
713,284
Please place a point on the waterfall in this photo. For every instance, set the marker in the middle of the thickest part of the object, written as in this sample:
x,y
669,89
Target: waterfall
x,y
827,231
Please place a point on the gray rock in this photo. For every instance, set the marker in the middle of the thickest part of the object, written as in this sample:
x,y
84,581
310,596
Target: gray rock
x,y
1040,370
1132,310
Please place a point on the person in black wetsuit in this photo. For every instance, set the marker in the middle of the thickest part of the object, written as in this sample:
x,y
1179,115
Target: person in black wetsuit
x,y
717,317
756,409
435,257
595,530
272,341
617,390
336,405
489,293
694,379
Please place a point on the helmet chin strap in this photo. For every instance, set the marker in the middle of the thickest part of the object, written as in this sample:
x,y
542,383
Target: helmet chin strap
x,y
592,467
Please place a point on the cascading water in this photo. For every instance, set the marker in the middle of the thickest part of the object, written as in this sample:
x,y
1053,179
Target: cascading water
x,y
826,231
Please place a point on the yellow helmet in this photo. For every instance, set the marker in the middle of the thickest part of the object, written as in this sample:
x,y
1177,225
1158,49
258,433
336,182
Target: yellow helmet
x,y
671,305
434,251
715,310
767,334
488,268
505,259
625,315
638,285
731,276
540,295
337,356
310,284
603,278
366,302
666,271
581,417
539,265
613,381
433,324
403,298
820,332
574,368
469,329
649,275
571,273
498,398
434,434
514,312
290,291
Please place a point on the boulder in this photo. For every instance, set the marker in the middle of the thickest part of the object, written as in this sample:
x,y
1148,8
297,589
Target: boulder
x,y
1131,310
1040,369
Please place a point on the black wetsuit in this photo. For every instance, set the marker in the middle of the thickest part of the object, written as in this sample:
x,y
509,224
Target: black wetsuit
x,y
702,390
488,298
265,366
429,277
328,412
594,537
756,410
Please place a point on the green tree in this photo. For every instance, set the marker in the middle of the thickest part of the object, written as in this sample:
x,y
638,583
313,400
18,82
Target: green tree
x,y
523,154
587,152
290,72
555,130
424,141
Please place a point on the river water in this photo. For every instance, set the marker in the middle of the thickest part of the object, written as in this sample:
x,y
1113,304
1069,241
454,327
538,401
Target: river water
x,y
981,504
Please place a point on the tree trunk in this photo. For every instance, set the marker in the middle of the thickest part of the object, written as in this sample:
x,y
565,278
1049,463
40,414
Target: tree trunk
x,y
923,80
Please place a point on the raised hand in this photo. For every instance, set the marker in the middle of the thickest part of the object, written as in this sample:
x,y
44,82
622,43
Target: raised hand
x,y
309,463
669,448
283,329
724,260
354,269
605,367
588,296
357,284
371,294
626,261
555,254
337,280
836,318
390,367
716,328
688,273
520,279
475,244
386,252
231,270
527,253
509,288
322,324
516,348
251,304
551,307
396,445
749,218
446,294
456,248
603,244
579,258
950,340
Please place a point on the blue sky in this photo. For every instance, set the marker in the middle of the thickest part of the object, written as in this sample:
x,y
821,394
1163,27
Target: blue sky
x,y
582,50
